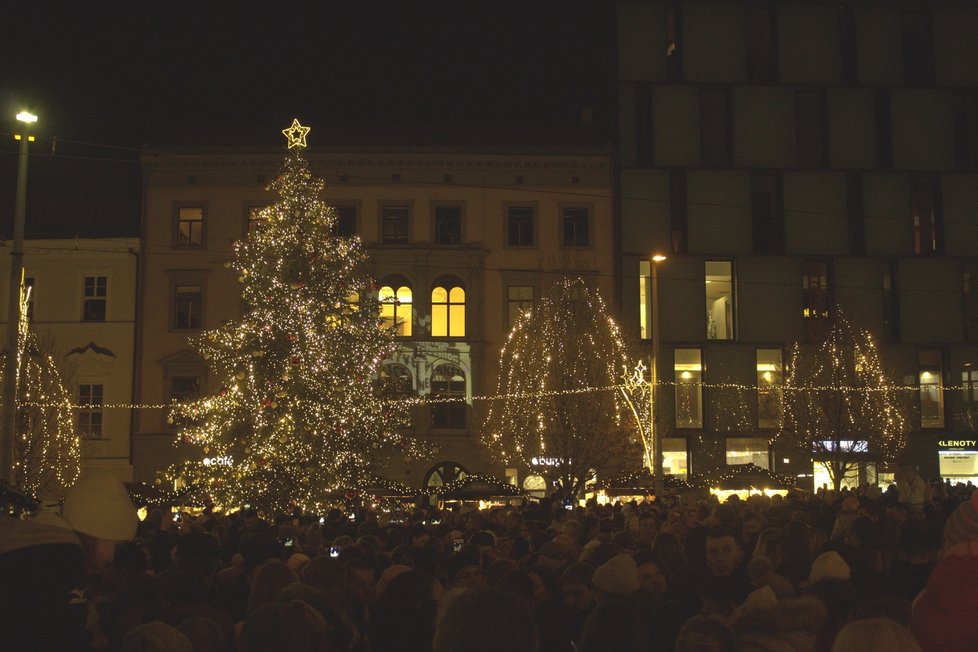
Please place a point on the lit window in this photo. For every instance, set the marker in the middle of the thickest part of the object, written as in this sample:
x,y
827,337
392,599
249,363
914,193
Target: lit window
x,y
748,450
190,226
719,300
90,414
930,380
93,307
675,458
519,299
689,388
395,309
769,370
815,298
187,306
448,311
448,381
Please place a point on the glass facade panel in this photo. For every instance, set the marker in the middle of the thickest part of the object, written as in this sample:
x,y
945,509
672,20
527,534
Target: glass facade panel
x,y
688,368
719,300
748,450
769,377
930,380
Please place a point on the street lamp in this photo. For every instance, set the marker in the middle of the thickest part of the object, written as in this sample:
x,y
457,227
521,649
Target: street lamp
x,y
13,307
660,480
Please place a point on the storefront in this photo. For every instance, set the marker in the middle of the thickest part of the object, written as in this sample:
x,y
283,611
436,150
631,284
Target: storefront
x,y
958,459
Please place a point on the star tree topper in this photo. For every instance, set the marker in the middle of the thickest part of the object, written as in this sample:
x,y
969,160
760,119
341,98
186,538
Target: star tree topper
x,y
296,134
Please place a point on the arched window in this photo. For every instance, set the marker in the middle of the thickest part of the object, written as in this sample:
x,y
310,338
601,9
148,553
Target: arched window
x,y
448,309
443,473
448,382
395,307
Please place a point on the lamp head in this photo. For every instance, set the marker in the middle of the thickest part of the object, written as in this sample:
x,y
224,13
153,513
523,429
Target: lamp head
x,y
25,116
658,258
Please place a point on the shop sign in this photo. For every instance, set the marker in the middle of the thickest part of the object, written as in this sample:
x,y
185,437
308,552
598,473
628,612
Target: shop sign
x,y
957,443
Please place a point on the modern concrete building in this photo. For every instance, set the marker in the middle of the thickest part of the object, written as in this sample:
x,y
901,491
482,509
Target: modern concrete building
x,y
786,156
462,238
82,309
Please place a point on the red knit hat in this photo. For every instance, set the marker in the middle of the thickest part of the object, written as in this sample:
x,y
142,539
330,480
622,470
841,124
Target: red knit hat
x,y
962,526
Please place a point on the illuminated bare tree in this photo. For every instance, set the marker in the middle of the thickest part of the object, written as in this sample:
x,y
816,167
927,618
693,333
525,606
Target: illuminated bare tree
x,y
838,404
557,379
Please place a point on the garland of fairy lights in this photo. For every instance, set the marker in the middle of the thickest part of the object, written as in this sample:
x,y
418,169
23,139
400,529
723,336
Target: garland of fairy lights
x,y
297,417
47,450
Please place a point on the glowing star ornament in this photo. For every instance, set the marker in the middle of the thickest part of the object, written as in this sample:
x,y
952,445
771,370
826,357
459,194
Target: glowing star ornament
x,y
296,134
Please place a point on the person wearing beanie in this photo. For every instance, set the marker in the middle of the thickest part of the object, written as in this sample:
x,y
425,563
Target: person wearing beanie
x,y
99,510
617,577
943,614
829,566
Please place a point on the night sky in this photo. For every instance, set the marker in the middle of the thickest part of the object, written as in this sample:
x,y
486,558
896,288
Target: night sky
x,y
107,78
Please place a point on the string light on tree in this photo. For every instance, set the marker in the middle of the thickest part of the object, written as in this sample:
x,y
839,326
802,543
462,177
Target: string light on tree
x,y
293,409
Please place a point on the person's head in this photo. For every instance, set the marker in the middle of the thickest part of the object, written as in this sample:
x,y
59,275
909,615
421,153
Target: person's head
x,y
648,527
706,634
875,635
485,620
270,578
98,509
576,589
204,633
650,576
752,523
156,636
723,551
361,581
325,573
280,626
404,615
616,577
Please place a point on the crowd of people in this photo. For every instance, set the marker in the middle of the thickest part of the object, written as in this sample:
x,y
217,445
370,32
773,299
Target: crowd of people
x,y
834,571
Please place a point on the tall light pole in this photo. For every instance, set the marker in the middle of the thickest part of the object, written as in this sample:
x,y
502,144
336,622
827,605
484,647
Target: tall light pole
x,y
13,307
660,480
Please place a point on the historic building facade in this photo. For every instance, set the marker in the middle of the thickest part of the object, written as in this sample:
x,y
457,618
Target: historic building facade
x,y
459,240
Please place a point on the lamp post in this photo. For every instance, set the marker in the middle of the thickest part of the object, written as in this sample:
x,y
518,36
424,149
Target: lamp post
x,y
13,307
660,480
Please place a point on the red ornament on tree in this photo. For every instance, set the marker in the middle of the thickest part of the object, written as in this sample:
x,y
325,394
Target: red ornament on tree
x,y
296,360
262,461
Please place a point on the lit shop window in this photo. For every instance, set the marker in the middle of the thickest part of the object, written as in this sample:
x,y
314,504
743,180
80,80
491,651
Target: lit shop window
x,y
929,378
748,450
689,388
769,377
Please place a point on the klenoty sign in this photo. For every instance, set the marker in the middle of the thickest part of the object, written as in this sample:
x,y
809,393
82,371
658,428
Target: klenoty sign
x,y
958,443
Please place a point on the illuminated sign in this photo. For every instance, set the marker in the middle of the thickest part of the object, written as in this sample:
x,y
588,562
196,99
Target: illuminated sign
x,y
219,460
546,461
958,443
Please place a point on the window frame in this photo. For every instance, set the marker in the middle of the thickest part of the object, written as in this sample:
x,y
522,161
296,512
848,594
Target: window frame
x,y
89,417
693,423
816,302
383,217
177,302
396,283
347,205
250,224
939,421
730,439
534,225
448,284
95,298
511,302
435,220
766,386
449,415
191,278
566,211
178,207
732,280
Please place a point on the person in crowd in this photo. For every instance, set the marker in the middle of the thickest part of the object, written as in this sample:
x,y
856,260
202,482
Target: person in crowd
x,y
485,620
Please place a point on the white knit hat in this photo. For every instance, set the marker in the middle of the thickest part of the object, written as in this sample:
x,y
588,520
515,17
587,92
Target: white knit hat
x,y
829,565
618,575
99,506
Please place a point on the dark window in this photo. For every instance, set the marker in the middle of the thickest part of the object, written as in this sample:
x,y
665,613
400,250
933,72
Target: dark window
x,y
918,46
891,300
254,218
767,222
762,44
183,389
448,382
396,384
187,303
969,286
811,137
643,125
677,210
965,114
716,144
395,224
816,298
346,221
448,225
674,42
925,209
93,308
855,213
519,225
847,41
575,223
884,137
190,226
519,299
90,414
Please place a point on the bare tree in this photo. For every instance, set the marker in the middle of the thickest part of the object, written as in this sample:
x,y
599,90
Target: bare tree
x,y
558,400
837,402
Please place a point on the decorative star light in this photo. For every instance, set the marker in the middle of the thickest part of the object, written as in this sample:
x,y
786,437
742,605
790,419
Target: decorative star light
x,y
296,134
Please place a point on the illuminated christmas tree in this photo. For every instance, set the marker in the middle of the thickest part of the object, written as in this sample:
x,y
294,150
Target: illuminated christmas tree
x,y
838,403
558,400
46,446
295,417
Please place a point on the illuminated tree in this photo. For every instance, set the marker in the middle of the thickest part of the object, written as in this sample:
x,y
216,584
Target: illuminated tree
x,y
557,392
295,417
838,404
46,446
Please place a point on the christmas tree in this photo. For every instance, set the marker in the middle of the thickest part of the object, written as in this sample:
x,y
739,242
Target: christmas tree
x,y
296,417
